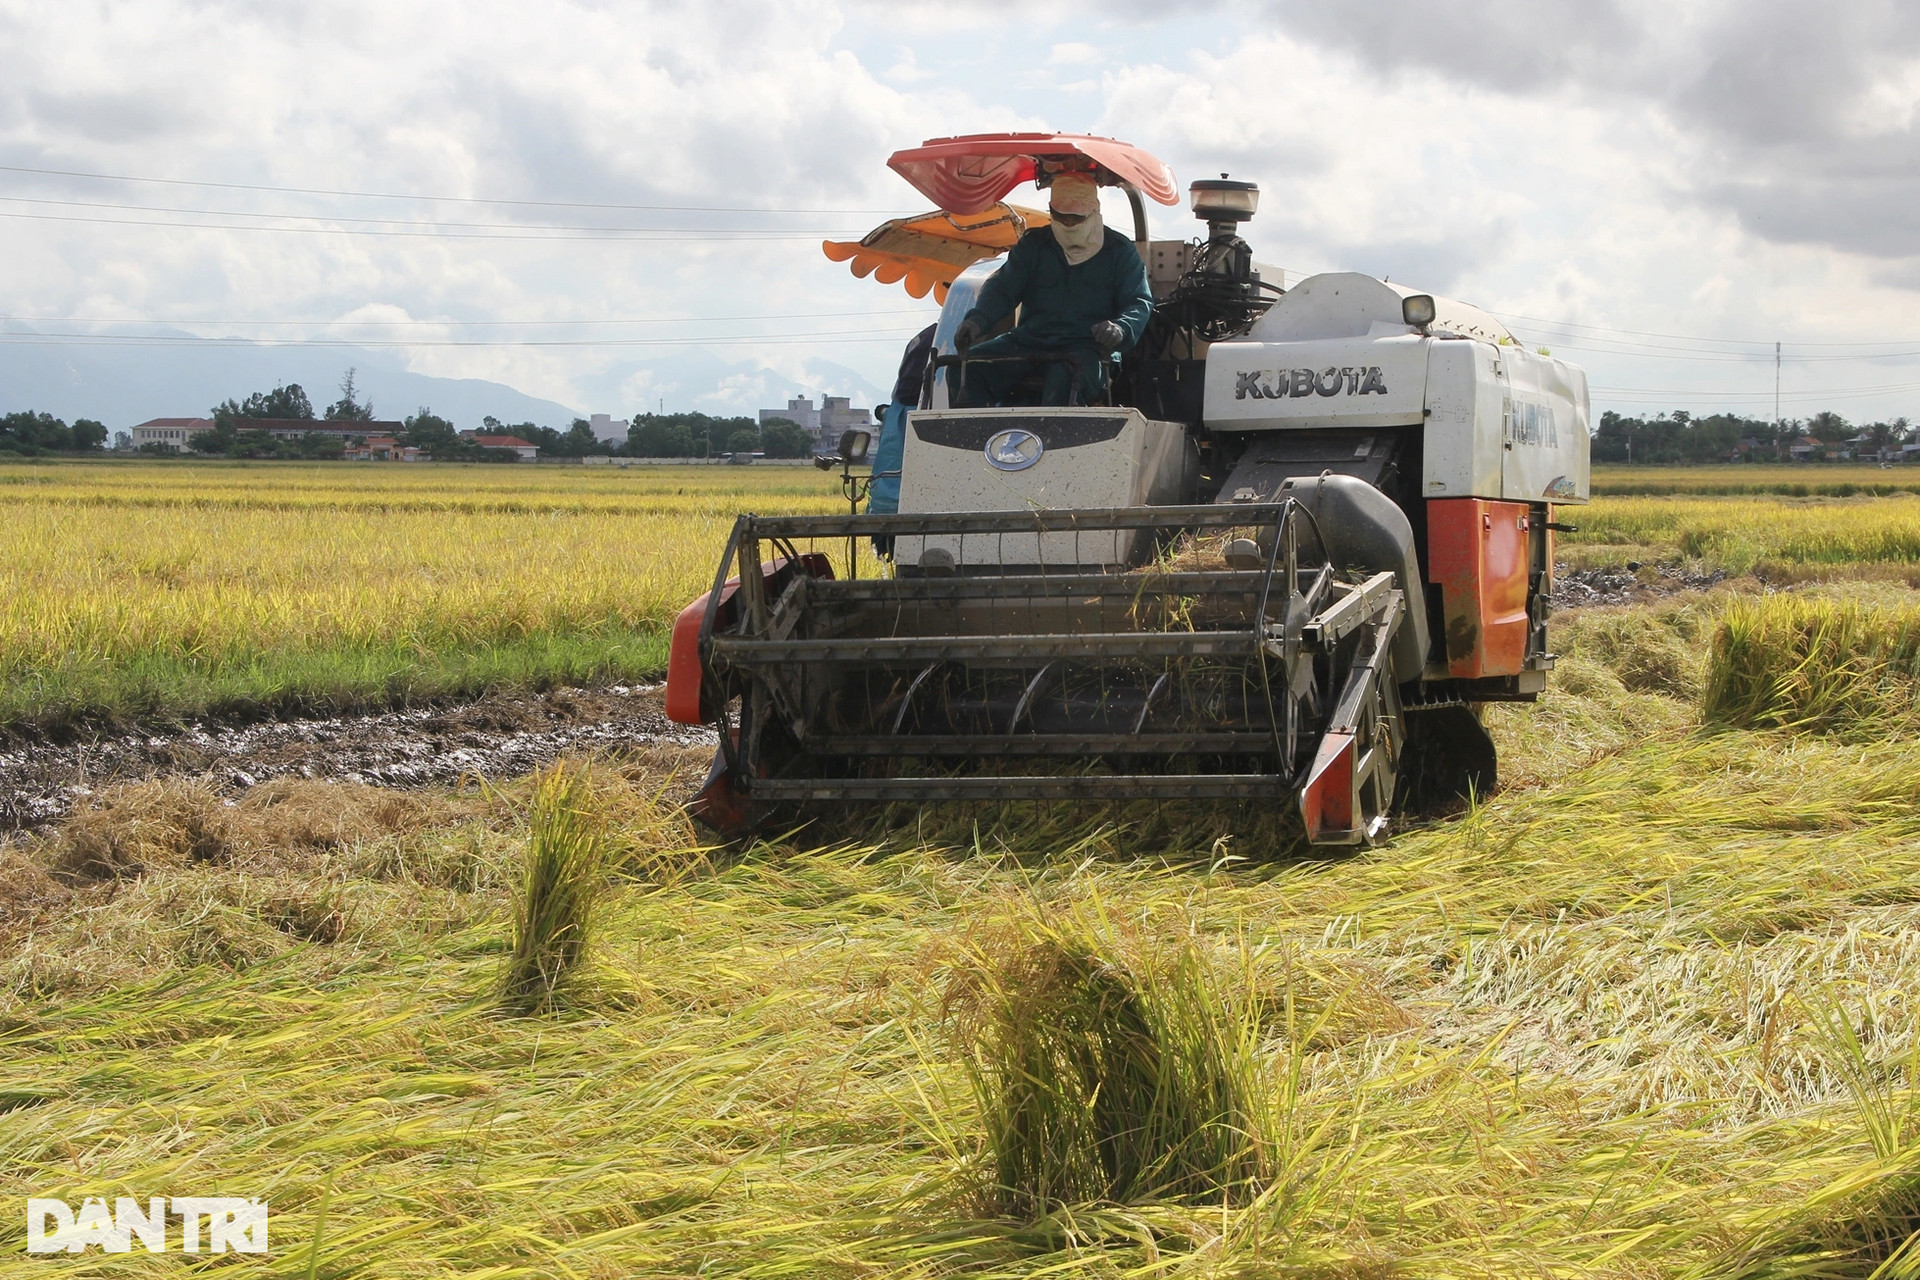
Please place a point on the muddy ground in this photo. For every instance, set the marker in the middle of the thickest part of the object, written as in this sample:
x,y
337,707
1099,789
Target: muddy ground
x,y
1581,588
501,736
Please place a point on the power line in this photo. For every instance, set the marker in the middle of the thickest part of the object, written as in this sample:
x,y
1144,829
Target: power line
x,y
794,315
1653,395
633,235
1681,337
314,217
1628,351
395,195
728,340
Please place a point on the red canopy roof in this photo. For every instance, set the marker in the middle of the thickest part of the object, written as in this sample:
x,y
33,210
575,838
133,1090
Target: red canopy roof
x,y
968,175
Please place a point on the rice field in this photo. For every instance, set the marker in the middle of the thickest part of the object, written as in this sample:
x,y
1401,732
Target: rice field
x,y
149,591
1648,1015
1791,480
144,590
1647,1011
1780,538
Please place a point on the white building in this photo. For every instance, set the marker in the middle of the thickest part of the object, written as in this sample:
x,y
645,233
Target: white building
x,y
836,415
799,411
608,430
170,433
824,424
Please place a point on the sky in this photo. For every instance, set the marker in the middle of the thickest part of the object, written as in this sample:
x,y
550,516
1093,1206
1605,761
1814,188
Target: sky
x,y
618,206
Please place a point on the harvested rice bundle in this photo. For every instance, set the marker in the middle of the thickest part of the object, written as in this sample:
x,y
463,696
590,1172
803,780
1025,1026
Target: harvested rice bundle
x,y
1107,1072
561,892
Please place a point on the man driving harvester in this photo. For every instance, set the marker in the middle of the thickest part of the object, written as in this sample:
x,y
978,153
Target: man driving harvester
x,y
1083,297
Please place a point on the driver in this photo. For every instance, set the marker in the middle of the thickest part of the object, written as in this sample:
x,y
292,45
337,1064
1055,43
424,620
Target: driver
x,y
1081,289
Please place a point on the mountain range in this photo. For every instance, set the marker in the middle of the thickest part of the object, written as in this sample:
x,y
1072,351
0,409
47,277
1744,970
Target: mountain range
x,y
125,383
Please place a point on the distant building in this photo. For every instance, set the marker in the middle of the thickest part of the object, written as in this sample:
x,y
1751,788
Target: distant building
x,y
177,432
1863,447
608,430
799,411
294,428
383,449
170,433
824,424
836,415
521,449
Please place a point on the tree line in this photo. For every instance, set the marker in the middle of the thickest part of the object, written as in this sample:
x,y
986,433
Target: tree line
x,y
27,434
1681,437
1669,437
673,435
649,435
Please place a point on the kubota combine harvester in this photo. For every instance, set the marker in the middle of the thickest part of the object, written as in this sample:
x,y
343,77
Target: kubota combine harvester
x,y
1311,531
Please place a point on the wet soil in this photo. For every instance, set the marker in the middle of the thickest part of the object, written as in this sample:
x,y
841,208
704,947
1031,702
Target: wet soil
x,y
1579,588
500,736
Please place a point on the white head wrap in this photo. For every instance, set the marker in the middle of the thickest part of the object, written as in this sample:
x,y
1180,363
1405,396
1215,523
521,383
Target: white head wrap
x,y
1076,193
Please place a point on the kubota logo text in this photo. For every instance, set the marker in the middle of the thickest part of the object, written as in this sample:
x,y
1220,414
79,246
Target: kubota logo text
x,y
207,1224
1364,380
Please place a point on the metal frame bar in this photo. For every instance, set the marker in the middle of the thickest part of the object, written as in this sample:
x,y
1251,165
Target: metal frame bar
x,y
994,586
1209,516
739,651
958,745
1348,614
1045,355
1125,786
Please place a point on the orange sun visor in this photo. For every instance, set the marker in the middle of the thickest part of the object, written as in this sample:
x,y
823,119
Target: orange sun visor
x,y
929,251
968,174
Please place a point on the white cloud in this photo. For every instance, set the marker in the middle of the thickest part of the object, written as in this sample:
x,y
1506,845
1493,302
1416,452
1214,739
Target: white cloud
x,y
1711,167
907,71
1073,53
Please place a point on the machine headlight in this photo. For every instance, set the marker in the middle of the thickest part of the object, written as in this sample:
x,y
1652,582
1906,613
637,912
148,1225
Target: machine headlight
x,y
854,444
1417,310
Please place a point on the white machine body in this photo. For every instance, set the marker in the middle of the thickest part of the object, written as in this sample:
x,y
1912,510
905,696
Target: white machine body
x,y
1501,422
1022,459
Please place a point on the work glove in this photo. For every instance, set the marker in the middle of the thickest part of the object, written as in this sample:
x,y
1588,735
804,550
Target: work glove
x,y
1109,337
965,336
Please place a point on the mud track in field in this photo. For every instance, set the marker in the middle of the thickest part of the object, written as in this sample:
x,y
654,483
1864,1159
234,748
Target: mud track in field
x,y
1578,588
500,736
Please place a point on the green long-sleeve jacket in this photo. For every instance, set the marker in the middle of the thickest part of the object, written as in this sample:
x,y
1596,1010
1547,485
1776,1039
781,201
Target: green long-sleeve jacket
x,y
1060,303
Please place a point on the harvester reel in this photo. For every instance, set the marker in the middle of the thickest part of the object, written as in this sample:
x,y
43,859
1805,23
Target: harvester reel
x,y
1180,679
1298,693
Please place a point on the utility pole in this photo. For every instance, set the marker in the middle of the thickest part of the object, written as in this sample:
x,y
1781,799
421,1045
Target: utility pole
x,y
1776,388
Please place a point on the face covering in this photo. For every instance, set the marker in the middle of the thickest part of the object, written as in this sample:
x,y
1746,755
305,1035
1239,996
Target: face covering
x,y
1076,193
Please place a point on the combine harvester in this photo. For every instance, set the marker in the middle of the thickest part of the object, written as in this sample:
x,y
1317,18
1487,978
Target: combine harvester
x,y
1310,533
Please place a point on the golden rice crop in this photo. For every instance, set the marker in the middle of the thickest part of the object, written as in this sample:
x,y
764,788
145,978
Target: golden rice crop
x,y
1791,536
440,487
1799,481
1651,1014
1809,662
1654,1020
191,570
